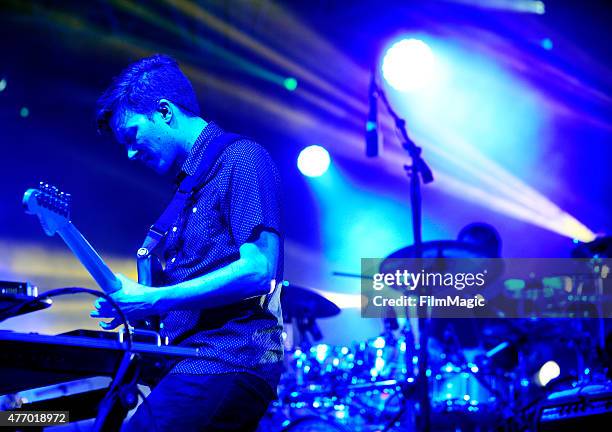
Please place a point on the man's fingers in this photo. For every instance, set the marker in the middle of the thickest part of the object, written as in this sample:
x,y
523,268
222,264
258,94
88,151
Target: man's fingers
x,y
101,308
114,323
100,314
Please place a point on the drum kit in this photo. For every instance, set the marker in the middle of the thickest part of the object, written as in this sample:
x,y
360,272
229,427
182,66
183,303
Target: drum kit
x,y
482,374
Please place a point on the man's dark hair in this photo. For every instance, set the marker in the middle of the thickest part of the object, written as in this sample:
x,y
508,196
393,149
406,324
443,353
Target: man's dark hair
x,y
140,87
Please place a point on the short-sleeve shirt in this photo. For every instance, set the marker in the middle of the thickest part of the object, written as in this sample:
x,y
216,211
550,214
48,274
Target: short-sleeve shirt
x,y
237,200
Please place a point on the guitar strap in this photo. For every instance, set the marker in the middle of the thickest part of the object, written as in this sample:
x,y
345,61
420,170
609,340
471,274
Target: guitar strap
x,y
188,185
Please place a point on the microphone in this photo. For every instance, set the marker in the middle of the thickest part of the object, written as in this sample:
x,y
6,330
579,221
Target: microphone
x,y
372,123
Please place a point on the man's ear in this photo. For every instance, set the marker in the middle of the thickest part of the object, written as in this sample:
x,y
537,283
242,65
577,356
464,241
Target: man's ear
x,y
166,109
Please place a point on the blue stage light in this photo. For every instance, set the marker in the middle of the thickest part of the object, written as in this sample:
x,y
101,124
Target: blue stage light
x,y
3,84
408,65
547,44
379,342
321,351
290,83
313,161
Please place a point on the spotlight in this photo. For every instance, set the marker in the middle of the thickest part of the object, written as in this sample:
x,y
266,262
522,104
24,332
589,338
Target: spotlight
x,y
408,65
3,84
538,7
313,161
547,44
24,112
290,83
548,372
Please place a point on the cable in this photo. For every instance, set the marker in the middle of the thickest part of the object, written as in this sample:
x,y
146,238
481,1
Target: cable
x,y
77,290
145,402
122,370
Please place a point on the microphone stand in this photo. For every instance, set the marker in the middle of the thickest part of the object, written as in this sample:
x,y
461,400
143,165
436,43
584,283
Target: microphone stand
x,y
418,171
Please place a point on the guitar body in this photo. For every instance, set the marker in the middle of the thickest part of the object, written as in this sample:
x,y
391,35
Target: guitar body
x,y
149,274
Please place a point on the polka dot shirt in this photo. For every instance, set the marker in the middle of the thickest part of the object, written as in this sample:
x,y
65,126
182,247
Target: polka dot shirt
x,y
236,202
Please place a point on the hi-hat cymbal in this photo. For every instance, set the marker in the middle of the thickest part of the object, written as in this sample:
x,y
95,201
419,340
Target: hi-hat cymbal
x,y
299,302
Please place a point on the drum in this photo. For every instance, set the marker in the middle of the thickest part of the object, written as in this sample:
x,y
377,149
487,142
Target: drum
x,y
314,424
383,358
321,364
465,394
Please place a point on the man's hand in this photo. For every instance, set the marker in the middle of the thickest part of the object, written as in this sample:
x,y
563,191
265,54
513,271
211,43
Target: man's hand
x,y
136,302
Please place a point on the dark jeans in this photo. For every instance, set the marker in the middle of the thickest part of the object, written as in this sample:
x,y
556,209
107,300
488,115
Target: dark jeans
x,y
184,402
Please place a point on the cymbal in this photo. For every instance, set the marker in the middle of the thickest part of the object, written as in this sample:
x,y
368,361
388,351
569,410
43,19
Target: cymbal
x,y
462,258
442,249
299,302
602,247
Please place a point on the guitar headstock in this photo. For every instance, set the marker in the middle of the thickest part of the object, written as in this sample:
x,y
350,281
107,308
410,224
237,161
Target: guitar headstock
x,y
50,205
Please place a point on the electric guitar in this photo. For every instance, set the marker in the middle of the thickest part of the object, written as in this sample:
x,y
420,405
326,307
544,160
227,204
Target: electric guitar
x,y
53,210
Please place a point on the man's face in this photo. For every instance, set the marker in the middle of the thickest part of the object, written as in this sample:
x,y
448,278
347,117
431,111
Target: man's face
x,y
148,139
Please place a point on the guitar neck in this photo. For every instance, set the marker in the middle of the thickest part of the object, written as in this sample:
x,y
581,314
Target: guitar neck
x,y
94,264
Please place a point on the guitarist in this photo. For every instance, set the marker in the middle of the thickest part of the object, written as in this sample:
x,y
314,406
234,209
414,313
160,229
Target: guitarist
x,y
219,290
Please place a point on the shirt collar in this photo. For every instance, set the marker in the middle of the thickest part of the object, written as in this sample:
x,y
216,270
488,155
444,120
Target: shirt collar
x,y
190,166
